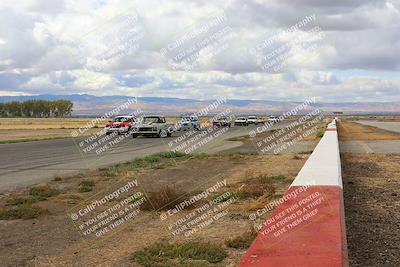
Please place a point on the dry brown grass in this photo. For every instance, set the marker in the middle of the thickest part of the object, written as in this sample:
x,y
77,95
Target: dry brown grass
x,y
30,129
63,242
164,199
8,136
43,123
354,131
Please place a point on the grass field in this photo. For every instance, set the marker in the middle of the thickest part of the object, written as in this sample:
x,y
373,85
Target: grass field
x,y
43,123
31,129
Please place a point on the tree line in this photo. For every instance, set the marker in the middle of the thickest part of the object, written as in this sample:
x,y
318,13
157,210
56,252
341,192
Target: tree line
x,y
36,108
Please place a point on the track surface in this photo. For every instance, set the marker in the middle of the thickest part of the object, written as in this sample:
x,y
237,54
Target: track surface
x,y
25,164
375,147
369,147
386,125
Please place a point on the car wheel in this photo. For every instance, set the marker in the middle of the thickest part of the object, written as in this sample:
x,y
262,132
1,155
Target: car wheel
x,y
134,135
162,134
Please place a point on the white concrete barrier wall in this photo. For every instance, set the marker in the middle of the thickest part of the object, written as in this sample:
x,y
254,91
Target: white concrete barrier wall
x,y
323,167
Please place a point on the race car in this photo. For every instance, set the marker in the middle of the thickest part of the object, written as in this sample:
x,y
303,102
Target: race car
x,y
153,125
222,122
188,122
241,121
273,119
120,124
252,120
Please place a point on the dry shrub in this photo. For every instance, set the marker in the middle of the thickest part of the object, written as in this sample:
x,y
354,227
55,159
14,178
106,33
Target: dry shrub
x,y
57,178
164,199
257,204
42,191
243,241
256,186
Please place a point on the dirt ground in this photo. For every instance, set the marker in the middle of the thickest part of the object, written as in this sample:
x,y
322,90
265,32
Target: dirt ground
x,y
372,207
371,196
52,240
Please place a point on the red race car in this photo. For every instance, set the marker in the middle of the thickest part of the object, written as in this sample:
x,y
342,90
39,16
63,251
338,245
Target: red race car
x,y
120,124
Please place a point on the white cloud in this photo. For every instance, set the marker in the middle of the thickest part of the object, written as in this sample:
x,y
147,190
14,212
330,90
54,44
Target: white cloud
x,y
41,42
13,93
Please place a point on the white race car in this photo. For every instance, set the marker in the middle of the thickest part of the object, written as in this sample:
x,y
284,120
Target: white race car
x,y
241,121
252,120
153,125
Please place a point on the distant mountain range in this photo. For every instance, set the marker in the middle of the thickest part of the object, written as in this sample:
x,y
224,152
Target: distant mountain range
x,y
85,104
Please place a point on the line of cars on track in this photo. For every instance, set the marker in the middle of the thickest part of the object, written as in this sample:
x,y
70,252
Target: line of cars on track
x,y
156,125
243,121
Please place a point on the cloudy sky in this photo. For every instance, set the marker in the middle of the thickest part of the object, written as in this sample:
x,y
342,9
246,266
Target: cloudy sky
x,y
337,50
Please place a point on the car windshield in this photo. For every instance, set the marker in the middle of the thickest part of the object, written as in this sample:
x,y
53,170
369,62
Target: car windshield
x,y
252,118
153,120
121,119
241,118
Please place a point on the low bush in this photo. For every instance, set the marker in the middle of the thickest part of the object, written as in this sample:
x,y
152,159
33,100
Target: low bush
x,y
257,186
14,201
42,192
164,199
86,185
179,255
24,211
242,242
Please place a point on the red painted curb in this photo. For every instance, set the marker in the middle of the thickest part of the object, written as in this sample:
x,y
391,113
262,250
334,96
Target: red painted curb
x,y
305,230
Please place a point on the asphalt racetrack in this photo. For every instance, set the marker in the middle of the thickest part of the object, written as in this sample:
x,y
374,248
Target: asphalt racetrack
x,y
386,125
27,163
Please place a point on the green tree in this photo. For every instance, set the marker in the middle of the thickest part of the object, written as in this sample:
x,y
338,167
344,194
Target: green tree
x,y
36,108
63,107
